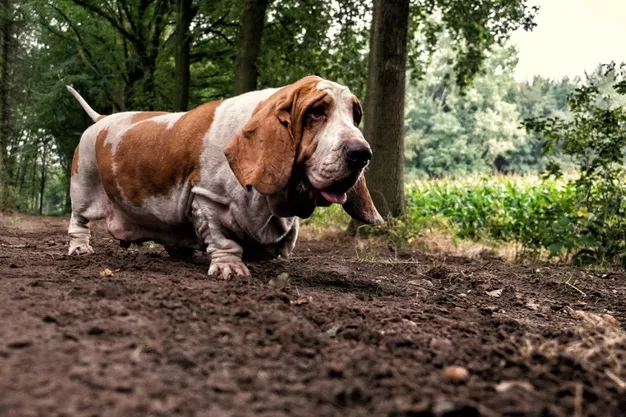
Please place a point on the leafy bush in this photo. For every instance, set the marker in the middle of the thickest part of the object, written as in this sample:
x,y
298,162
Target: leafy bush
x,y
540,214
595,138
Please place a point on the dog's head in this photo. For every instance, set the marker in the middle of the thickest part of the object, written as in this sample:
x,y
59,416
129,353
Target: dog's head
x,y
302,148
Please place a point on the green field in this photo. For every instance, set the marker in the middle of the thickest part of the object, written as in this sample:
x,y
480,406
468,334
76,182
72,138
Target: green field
x,y
542,216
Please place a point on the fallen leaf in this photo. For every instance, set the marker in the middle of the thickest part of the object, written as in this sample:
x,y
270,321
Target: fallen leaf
x,y
332,332
301,300
421,283
495,293
280,282
532,306
456,373
505,386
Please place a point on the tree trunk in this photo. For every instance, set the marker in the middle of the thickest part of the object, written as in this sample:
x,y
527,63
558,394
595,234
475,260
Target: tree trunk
x,y
184,16
6,29
250,33
42,183
33,184
384,104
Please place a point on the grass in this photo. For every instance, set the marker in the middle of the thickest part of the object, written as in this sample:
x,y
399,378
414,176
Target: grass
x,y
508,216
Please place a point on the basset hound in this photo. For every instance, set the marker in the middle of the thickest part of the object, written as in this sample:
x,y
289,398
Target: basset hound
x,y
229,177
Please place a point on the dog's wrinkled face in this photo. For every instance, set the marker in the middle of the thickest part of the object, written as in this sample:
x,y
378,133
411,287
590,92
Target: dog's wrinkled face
x,y
302,148
341,153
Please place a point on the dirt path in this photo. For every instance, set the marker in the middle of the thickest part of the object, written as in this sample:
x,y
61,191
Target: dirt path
x,y
345,337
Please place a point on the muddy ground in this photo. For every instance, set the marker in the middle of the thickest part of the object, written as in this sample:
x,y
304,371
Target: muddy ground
x,y
135,333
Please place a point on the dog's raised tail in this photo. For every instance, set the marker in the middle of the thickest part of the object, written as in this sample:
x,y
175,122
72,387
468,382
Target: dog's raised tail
x,y
91,112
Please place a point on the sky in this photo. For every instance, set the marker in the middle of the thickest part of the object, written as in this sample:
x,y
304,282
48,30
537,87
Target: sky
x,y
571,37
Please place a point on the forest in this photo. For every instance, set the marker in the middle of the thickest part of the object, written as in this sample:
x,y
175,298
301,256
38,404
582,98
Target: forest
x,y
166,55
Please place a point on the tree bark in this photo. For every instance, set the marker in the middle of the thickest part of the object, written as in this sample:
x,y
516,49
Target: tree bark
x,y
42,181
6,41
250,33
184,16
384,104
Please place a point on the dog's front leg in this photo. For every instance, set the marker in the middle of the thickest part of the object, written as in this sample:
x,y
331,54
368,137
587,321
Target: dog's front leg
x,y
225,253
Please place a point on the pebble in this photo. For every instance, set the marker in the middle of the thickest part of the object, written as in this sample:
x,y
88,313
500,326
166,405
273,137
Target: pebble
x,y
456,373
441,343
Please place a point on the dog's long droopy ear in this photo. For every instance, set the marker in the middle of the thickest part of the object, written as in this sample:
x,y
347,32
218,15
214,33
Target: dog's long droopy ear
x,y
360,205
261,155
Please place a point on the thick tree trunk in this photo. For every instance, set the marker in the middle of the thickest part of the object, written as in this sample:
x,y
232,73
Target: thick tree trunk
x,y
384,104
6,28
184,16
252,23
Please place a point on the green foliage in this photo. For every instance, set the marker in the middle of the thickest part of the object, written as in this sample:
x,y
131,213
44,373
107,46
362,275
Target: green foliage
x,y
454,131
559,217
595,139
539,215
474,28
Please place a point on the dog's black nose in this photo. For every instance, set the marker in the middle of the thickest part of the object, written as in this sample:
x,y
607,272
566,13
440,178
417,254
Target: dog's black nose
x,y
357,153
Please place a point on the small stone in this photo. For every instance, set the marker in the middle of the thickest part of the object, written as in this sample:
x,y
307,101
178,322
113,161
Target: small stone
x,y
495,293
505,386
456,373
280,282
441,343
332,332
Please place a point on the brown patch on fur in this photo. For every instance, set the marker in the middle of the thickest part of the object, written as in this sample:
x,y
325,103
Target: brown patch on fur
x,y
263,153
104,157
145,115
151,159
74,168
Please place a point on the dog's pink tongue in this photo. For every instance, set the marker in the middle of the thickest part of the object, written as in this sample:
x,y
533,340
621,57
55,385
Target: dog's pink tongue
x,y
334,198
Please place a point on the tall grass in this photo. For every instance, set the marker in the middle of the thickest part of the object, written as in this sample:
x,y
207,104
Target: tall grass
x,y
538,214
535,212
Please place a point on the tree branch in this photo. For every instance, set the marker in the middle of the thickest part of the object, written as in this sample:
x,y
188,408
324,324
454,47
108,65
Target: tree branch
x,y
111,19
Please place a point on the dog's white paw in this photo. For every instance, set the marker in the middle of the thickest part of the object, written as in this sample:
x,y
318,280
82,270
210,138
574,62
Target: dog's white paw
x,y
80,247
225,270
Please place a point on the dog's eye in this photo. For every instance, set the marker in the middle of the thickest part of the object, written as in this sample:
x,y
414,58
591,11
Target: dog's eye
x,y
317,113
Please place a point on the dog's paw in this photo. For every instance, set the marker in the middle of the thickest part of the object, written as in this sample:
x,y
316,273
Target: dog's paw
x,y
225,270
80,248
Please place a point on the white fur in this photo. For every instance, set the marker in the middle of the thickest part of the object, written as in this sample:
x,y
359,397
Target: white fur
x,y
93,114
327,163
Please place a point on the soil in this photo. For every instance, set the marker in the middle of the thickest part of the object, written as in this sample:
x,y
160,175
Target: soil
x,y
350,332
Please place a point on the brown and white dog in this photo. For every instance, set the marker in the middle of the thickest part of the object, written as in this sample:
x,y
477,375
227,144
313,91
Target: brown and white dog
x,y
230,177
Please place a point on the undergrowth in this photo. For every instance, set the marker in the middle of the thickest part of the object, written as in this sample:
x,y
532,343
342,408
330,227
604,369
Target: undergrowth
x,y
528,217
